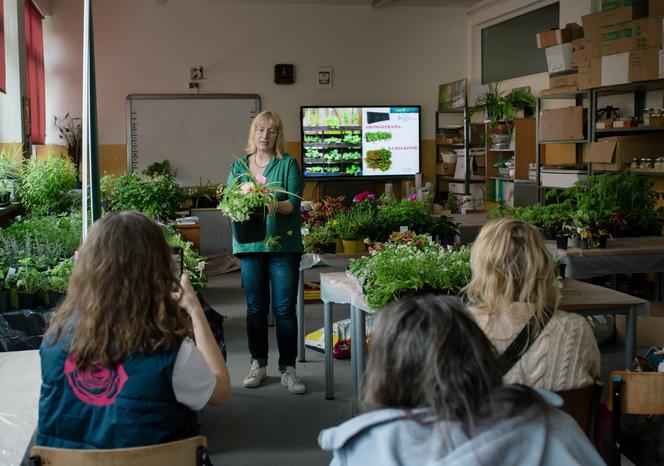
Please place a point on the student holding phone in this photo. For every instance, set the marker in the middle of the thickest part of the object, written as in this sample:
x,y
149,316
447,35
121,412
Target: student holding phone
x,y
119,367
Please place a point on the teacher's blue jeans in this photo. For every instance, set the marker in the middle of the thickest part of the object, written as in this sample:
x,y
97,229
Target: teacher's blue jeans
x,y
262,273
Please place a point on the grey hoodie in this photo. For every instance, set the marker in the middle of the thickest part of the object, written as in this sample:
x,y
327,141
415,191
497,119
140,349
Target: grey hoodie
x,y
388,437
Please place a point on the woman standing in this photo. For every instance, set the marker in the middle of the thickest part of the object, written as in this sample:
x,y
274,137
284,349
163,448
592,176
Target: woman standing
x,y
274,269
515,285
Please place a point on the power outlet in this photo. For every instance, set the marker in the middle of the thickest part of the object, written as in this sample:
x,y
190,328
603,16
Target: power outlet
x,y
196,73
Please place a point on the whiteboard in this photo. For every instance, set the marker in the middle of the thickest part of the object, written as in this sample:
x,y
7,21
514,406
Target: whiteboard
x,y
200,134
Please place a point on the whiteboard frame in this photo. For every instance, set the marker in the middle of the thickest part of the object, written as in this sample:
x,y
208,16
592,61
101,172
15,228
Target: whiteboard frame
x,y
135,97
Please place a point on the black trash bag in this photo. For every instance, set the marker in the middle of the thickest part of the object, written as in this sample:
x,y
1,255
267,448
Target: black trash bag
x,y
7,333
31,323
216,322
26,343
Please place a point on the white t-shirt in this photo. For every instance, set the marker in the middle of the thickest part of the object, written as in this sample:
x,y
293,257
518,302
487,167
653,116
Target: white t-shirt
x,y
193,380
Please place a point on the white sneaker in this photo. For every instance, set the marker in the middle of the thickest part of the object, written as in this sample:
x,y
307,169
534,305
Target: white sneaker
x,y
256,375
289,379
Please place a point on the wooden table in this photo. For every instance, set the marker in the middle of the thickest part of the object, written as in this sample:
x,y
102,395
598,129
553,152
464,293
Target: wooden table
x,y
20,380
582,298
622,255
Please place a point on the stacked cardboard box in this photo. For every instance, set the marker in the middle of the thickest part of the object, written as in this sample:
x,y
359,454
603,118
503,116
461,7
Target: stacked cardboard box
x,y
621,43
558,48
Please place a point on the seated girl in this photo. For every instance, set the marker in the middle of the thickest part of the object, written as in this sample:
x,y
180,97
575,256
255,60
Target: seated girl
x,y
434,396
119,368
515,283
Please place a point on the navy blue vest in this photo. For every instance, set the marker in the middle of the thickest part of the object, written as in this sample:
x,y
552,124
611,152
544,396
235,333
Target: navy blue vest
x,y
131,405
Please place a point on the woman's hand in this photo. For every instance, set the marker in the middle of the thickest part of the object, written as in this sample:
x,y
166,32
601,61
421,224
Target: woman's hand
x,y
187,298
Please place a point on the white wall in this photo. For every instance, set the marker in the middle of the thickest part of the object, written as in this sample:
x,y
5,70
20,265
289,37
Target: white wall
x,y
10,103
390,55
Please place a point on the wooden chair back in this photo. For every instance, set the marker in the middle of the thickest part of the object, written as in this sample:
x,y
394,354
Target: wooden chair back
x,y
641,392
179,453
581,404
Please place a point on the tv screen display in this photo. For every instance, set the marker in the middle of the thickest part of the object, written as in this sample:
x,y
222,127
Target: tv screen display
x,y
360,141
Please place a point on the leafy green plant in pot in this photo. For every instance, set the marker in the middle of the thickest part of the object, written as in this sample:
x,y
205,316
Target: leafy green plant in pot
x,y
204,196
319,240
4,291
491,102
5,192
45,185
58,280
30,283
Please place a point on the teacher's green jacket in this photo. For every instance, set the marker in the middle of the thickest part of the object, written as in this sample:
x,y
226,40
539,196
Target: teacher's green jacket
x,y
283,173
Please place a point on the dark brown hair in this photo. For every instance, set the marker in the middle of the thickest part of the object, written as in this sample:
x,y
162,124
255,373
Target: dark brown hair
x,y
120,298
427,352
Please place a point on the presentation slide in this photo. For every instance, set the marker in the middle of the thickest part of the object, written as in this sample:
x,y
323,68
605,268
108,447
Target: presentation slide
x,y
390,141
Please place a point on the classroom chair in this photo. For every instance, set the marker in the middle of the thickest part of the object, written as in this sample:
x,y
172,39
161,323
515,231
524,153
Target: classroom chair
x,y
582,404
632,393
188,452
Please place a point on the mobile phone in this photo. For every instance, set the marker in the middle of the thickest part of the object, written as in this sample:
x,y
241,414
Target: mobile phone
x,y
655,359
177,260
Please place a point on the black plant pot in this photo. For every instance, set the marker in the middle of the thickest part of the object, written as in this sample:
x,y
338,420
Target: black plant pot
x,y
602,241
548,234
252,230
561,269
328,248
446,240
4,301
561,242
27,301
584,243
54,298
5,198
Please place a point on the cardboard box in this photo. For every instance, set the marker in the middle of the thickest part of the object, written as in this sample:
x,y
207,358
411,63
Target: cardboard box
x,y
615,69
649,330
644,64
591,77
559,58
564,80
656,7
638,34
592,33
608,5
561,124
559,36
561,178
623,15
613,153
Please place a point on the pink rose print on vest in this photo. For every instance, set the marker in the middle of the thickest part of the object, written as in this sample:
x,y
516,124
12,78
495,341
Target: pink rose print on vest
x,y
98,387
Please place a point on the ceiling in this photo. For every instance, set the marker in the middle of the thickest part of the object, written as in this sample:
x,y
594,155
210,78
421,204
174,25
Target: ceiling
x,y
379,3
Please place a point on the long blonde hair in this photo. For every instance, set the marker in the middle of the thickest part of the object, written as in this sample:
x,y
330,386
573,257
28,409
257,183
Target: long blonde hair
x,y
119,299
273,119
510,263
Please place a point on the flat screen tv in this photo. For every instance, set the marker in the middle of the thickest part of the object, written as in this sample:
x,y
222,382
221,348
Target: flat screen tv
x,y
352,141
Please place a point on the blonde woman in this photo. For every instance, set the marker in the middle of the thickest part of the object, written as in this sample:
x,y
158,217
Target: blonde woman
x,y
515,282
272,273
119,367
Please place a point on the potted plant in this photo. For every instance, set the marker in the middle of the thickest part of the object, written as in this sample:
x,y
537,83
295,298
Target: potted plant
x,y
491,102
5,192
345,226
247,202
29,282
71,132
45,185
204,196
4,292
58,280
319,240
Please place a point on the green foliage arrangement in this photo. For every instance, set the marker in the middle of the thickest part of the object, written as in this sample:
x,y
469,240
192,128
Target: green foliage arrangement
x,y
59,275
380,159
407,263
194,263
353,169
160,168
157,196
45,185
357,222
350,138
377,136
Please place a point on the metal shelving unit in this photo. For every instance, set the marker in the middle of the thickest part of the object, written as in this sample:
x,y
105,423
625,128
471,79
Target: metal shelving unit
x,y
466,145
579,97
